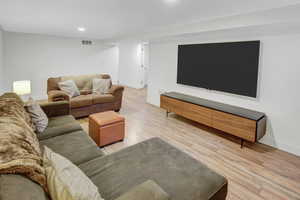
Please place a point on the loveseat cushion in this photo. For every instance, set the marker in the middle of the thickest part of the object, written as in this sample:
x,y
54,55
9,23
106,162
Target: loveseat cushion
x,y
181,176
84,82
103,98
81,101
16,187
76,146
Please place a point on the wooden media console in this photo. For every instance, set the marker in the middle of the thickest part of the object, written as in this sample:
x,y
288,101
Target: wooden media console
x,y
246,124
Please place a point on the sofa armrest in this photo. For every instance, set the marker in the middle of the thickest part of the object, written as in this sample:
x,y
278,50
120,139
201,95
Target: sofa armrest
x,y
148,190
53,109
116,90
58,95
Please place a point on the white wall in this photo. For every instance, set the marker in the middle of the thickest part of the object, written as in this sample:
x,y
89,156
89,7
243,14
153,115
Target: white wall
x,y
1,62
278,86
130,61
38,57
146,63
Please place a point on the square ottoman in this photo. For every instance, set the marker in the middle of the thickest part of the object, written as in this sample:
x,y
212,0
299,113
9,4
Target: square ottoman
x,y
175,172
106,128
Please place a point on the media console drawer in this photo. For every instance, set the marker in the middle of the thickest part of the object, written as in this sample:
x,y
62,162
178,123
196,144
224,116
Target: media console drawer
x,y
238,126
194,112
246,124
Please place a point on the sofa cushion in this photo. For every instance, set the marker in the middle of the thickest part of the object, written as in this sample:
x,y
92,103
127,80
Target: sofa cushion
x,y
59,126
103,98
85,92
59,130
52,83
76,146
148,190
16,187
60,120
181,176
81,101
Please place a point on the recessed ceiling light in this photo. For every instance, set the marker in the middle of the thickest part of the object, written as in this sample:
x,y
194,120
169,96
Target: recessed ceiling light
x,y
171,1
81,29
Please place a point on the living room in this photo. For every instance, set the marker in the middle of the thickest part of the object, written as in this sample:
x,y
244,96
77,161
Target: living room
x,y
159,110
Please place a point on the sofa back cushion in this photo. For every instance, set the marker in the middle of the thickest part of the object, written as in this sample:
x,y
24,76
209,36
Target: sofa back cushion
x,y
52,84
83,82
101,86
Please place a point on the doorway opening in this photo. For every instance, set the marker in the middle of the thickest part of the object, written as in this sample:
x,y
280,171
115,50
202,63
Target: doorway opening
x,y
145,64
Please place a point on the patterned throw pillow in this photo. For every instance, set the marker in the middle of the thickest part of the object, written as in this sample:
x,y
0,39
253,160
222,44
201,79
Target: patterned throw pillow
x,y
38,116
101,86
69,87
65,180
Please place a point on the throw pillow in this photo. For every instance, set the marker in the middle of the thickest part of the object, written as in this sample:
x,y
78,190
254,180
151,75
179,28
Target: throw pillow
x,y
66,181
38,116
101,86
69,87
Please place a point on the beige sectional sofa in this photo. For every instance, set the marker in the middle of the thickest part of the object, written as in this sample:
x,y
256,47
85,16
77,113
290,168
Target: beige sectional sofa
x,y
88,102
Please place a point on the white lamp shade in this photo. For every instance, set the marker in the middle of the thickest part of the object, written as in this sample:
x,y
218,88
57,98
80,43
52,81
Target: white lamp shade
x,y
22,87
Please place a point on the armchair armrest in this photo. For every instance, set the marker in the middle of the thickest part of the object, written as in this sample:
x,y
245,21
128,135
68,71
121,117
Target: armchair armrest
x,y
116,90
148,190
58,95
53,109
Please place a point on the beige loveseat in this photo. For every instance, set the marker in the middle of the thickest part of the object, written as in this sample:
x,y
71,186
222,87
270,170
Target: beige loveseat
x,y
88,102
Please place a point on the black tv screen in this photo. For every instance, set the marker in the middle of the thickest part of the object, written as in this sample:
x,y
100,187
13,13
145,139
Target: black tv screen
x,y
228,67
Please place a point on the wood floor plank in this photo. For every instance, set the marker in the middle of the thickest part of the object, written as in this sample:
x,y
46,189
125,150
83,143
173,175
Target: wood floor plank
x,y
255,172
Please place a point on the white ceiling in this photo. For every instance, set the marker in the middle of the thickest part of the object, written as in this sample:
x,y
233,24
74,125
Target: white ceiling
x,y
106,19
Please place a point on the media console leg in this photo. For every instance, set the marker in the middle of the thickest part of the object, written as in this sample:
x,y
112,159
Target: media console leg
x,y
167,113
242,143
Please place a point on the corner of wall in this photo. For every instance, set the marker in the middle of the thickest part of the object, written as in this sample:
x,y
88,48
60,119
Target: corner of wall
x,y
2,82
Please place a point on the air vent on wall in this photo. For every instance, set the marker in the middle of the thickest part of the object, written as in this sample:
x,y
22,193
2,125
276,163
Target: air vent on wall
x,y
86,42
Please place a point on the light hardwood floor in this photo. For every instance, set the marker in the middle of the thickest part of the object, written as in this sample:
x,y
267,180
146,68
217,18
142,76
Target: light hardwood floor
x,y
255,172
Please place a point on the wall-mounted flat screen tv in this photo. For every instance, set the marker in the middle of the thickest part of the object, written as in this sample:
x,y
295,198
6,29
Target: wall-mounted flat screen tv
x,y
229,67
